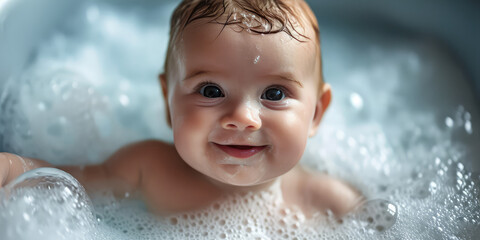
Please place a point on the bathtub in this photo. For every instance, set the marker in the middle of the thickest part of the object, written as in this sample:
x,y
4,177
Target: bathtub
x,y
446,32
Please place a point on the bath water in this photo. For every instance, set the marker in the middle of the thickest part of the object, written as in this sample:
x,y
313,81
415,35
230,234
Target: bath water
x,y
402,128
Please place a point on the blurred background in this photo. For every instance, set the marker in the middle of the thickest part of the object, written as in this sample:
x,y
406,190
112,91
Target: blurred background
x,y
452,24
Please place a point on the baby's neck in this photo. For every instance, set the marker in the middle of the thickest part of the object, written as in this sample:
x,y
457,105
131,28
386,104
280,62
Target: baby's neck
x,y
234,189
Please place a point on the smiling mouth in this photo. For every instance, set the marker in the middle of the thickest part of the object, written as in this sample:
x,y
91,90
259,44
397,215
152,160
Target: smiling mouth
x,y
240,151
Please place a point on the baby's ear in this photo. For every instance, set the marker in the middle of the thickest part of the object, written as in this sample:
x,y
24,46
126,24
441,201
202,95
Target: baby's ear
x,y
323,101
163,82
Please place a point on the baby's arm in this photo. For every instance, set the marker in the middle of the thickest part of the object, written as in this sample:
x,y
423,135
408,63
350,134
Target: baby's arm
x,y
92,177
150,169
12,166
120,173
154,170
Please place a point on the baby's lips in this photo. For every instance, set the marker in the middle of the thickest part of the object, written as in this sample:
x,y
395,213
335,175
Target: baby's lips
x,y
240,151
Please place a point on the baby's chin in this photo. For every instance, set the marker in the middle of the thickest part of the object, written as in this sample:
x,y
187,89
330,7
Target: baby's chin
x,y
235,180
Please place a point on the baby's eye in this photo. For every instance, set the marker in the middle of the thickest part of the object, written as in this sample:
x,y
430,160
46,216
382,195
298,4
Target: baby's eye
x,y
273,94
211,91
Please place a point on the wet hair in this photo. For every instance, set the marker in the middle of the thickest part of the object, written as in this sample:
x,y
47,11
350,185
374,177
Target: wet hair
x,y
255,16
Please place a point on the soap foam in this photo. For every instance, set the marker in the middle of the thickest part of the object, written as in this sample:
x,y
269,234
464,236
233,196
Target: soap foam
x,y
408,147
249,216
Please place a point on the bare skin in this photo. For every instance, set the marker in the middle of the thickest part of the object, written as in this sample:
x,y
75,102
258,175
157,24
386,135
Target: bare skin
x,y
153,171
235,138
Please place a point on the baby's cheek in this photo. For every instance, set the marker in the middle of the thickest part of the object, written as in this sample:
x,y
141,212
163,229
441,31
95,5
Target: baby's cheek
x,y
187,116
191,126
290,135
292,124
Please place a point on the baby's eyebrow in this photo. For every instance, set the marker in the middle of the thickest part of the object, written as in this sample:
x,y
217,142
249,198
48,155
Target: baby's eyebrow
x,y
194,74
282,76
286,77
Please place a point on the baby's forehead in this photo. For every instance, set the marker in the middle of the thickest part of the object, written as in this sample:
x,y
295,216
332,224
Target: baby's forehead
x,y
209,47
208,33
267,18
293,17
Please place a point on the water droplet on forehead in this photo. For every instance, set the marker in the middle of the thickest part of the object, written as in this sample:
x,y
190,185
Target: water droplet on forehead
x,y
255,61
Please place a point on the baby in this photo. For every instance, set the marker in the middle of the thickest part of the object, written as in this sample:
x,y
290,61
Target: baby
x,y
244,91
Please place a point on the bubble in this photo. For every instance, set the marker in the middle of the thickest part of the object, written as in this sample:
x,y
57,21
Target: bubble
x,y
460,166
356,101
433,187
377,214
352,142
468,127
41,200
124,100
41,106
449,122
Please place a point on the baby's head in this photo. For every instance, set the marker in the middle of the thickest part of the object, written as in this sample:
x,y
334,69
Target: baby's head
x,y
243,86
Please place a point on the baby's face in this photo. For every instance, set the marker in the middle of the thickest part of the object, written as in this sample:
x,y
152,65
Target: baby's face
x,y
243,105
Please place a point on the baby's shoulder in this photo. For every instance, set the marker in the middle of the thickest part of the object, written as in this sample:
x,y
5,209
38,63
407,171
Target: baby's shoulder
x,y
144,155
167,183
145,150
324,192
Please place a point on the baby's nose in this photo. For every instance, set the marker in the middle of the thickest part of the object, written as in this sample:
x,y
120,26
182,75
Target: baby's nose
x,y
243,116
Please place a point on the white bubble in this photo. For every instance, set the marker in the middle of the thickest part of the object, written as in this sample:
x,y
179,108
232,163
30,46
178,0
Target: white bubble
x,y
449,122
433,187
41,106
351,142
356,100
460,166
26,217
468,127
378,214
124,100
